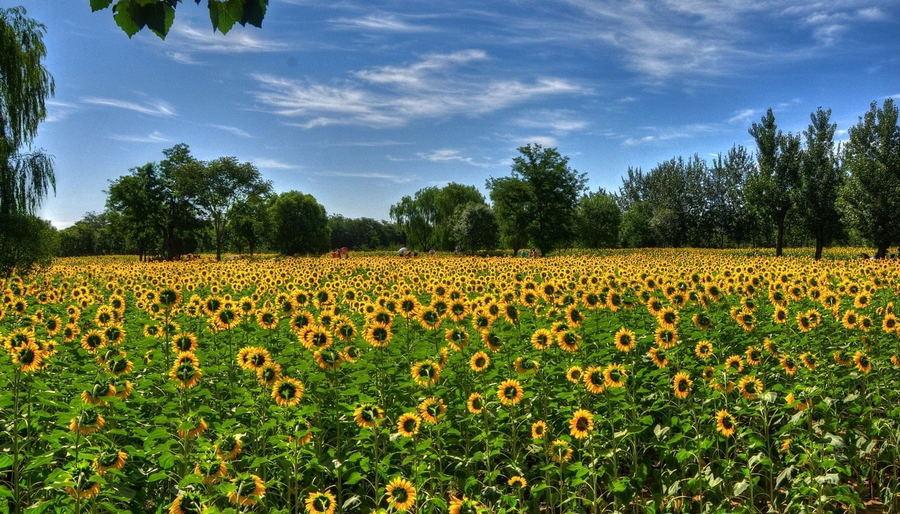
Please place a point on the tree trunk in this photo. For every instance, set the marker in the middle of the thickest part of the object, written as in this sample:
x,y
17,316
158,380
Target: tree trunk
x,y
881,253
819,247
779,241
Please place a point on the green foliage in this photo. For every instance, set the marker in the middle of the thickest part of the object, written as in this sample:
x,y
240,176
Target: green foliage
x,y
511,198
820,180
363,233
599,220
299,224
871,196
249,223
158,15
475,228
27,243
95,234
772,187
427,217
636,231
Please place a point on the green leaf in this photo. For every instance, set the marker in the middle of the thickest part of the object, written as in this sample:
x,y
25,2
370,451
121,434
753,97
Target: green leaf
x,y
125,19
97,5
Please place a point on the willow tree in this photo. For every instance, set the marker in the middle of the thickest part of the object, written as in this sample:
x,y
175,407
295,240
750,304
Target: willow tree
x,y
25,176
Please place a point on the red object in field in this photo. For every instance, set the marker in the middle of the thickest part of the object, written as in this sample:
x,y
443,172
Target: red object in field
x,y
345,252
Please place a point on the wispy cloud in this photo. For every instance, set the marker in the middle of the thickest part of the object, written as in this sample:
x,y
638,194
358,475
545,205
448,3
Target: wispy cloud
x,y
58,110
373,175
153,137
545,141
743,115
191,40
559,122
158,108
657,134
445,155
391,96
273,164
230,129
381,22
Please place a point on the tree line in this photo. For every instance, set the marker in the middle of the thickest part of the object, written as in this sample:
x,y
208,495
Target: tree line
x,y
794,189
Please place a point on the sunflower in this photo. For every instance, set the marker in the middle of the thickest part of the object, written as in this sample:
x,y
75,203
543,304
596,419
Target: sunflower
x,y
582,424
426,373
668,318
703,350
682,385
542,339
479,362
87,422
401,495
248,490
560,451
187,502
378,335
538,429
465,505
725,423
408,424
625,340
186,370
788,365
658,356
574,374
287,391
808,360
475,403
368,415
753,356
665,338
593,380
750,387
568,340
268,373
614,376
93,340
734,363
328,359
780,315
28,357
510,392
862,362
186,431
99,393
457,338
85,484
184,342
525,366
517,481
251,358
431,409
113,459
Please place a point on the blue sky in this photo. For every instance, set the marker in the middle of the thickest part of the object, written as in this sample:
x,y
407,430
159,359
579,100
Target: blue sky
x,y
360,102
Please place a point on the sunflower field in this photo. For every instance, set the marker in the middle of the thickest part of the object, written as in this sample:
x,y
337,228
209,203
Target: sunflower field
x,y
650,381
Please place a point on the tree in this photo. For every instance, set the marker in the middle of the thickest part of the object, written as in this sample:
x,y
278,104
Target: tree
x,y
299,224
636,231
181,226
870,197
599,219
26,243
772,186
95,234
427,217
249,223
725,220
553,191
820,180
157,15
475,228
362,233
217,186
137,200
25,177
511,198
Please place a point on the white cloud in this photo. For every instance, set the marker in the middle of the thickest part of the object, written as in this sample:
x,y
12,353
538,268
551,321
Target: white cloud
x,y
58,111
390,177
273,164
559,122
450,155
743,116
152,108
656,134
153,137
545,141
233,130
380,23
190,40
390,96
